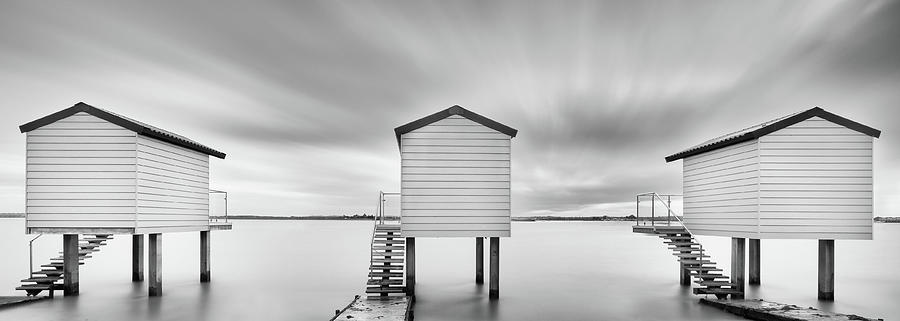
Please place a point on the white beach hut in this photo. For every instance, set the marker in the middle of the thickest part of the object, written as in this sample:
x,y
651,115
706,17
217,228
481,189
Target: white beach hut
x,y
90,171
803,176
455,182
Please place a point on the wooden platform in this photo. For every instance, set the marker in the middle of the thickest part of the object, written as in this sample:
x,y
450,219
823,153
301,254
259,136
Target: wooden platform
x,y
6,301
393,308
219,226
765,310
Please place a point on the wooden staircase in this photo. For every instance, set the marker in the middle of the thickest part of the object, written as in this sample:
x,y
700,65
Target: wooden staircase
x,y
690,253
50,277
386,267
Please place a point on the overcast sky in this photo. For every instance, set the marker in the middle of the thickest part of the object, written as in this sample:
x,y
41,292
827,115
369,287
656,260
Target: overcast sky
x,y
304,97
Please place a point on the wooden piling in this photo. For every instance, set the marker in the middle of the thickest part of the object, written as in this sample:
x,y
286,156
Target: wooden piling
x,y
826,270
137,258
494,292
204,256
479,260
70,264
155,264
737,266
411,266
754,262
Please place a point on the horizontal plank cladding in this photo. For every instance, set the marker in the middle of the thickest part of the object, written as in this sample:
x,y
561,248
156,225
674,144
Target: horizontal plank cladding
x,y
721,190
172,187
80,173
816,182
455,180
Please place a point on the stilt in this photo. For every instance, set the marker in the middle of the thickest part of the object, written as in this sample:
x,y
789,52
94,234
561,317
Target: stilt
x,y
479,260
70,264
411,266
826,270
137,258
204,256
155,264
494,292
754,262
737,266
684,276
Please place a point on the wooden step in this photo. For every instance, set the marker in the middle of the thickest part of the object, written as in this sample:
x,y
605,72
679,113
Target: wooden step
x,y
390,242
682,243
697,262
60,264
716,291
49,272
714,283
95,239
90,245
38,286
689,255
387,227
709,276
44,279
389,254
388,248
676,237
387,260
385,267
386,290
385,274
384,282
702,268
80,258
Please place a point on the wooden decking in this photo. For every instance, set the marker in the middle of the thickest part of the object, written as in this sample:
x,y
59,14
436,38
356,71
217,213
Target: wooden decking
x,y
765,310
393,308
6,301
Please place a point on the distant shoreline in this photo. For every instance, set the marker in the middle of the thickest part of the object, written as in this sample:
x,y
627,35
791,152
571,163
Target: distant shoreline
x,y
365,217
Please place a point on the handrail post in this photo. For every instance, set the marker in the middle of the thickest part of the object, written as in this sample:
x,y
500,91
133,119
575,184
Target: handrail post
x,y
669,208
653,210
637,210
31,256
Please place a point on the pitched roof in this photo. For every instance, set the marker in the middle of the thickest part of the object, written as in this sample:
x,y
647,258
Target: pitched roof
x,y
128,123
768,127
455,110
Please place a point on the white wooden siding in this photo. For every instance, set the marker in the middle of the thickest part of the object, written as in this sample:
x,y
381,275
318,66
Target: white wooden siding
x,y
455,180
816,182
172,187
721,191
80,173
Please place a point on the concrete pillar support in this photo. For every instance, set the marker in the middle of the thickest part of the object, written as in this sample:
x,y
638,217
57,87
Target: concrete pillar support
x,y
754,262
826,270
70,264
137,258
155,264
479,260
204,256
737,266
411,266
494,292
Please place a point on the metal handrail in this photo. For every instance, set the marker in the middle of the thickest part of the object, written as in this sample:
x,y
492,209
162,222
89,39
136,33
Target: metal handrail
x,y
31,256
668,204
212,191
379,219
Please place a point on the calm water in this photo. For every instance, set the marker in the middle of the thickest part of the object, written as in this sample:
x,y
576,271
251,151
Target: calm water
x,y
304,270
